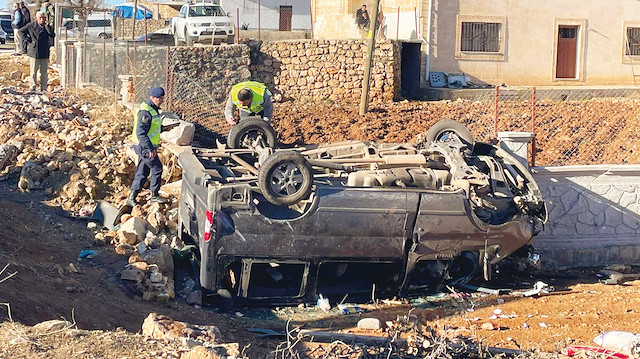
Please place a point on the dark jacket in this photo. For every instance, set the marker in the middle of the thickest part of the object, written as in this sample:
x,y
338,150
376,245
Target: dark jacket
x,y
26,15
40,39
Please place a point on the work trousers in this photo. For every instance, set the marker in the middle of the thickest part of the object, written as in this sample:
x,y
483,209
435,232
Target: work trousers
x,y
17,39
34,66
145,167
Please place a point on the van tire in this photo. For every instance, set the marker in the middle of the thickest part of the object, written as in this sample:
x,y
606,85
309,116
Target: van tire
x,y
276,178
231,39
438,131
246,127
103,35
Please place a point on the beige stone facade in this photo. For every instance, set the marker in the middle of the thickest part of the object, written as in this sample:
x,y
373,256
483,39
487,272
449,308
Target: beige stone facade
x,y
529,43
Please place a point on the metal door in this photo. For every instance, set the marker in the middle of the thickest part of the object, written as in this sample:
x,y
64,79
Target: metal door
x,y
567,52
286,13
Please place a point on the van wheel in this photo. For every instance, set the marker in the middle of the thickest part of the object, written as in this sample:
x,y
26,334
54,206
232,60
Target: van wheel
x,y
103,35
252,132
444,129
285,178
231,39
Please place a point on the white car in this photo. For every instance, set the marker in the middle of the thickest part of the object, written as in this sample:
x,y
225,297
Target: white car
x,y
203,22
98,25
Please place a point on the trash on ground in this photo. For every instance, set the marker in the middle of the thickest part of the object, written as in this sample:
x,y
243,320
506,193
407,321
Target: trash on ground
x,y
350,308
624,342
87,253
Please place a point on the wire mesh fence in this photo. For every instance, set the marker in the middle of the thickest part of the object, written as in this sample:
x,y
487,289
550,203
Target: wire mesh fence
x,y
570,127
191,101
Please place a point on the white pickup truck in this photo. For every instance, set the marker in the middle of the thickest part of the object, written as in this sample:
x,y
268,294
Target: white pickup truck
x,y
202,22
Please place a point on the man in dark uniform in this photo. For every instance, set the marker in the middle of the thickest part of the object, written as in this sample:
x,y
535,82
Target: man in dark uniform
x,y
147,125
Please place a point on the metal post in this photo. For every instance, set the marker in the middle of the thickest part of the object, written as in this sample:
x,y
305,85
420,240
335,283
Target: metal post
x,y
104,56
145,26
238,25
368,62
311,17
398,23
533,127
259,20
495,119
415,17
167,77
135,14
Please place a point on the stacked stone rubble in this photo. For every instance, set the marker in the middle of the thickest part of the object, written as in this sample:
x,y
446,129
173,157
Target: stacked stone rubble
x,y
152,25
326,69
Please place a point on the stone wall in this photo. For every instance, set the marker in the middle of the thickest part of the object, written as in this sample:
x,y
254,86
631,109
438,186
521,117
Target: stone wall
x,y
594,215
214,69
152,26
326,69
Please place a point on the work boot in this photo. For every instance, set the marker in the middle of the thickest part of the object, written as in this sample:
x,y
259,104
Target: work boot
x,y
131,200
157,199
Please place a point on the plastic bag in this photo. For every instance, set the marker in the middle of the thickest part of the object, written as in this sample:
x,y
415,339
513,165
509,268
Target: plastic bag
x,y
624,342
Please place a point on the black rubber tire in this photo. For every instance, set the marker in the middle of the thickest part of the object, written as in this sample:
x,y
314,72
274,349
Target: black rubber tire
x,y
443,127
295,165
231,39
103,35
248,125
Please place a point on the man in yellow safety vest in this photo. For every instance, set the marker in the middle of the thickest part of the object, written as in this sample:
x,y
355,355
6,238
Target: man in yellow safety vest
x,y
251,98
147,125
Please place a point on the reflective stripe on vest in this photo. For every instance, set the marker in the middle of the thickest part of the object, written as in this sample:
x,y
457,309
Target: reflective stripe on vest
x,y
156,124
258,90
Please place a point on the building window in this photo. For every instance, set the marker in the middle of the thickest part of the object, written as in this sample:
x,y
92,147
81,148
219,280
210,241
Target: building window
x,y
633,41
480,37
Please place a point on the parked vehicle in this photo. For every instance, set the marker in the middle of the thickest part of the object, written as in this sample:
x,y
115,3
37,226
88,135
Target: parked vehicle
x,y
203,22
3,37
98,26
5,14
5,25
283,226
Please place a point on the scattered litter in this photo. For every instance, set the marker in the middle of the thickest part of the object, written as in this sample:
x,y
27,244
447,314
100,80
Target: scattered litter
x,y
497,311
323,303
239,315
582,351
538,288
525,325
470,310
349,308
87,253
624,342
543,325
500,301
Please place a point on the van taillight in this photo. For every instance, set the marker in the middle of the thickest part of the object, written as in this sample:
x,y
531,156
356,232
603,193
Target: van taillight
x,y
208,225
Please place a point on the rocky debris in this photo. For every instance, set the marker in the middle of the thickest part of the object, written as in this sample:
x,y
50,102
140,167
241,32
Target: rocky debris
x,y
370,323
181,135
195,297
50,326
132,231
201,341
161,327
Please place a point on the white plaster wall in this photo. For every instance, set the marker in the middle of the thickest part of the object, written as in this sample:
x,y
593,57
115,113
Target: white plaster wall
x,y
530,40
270,13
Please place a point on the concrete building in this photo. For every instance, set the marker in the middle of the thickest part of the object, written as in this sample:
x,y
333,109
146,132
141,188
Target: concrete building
x,y
567,43
284,15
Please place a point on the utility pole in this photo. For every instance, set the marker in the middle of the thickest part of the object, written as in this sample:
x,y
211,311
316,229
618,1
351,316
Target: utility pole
x,y
133,25
368,60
